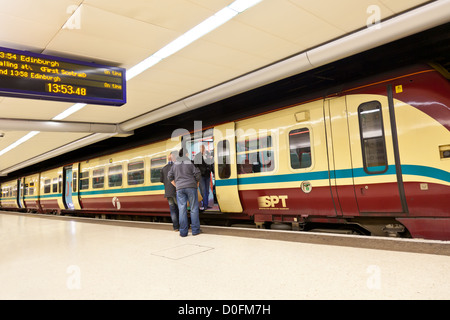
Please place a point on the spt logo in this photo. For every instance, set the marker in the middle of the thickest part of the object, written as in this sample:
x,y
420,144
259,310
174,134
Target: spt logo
x,y
273,202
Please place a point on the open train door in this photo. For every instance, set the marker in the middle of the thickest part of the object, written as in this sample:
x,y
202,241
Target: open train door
x,y
225,168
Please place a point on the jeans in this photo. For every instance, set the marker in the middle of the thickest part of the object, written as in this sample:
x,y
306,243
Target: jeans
x,y
183,196
204,189
174,213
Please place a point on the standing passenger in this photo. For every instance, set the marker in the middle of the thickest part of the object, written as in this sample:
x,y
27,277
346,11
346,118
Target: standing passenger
x,y
170,192
202,161
185,177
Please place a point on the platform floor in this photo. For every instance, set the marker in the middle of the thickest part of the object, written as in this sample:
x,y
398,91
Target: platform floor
x,y
43,258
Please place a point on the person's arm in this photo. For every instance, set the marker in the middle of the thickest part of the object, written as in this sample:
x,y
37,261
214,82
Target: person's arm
x,y
171,177
197,175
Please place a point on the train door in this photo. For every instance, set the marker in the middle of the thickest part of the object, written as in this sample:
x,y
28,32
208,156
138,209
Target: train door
x,y
226,169
75,186
20,193
67,189
372,157
201,146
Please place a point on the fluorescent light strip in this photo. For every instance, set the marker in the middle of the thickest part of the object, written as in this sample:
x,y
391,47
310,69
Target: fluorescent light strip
x,y
19,142
76,107
193,34
179,43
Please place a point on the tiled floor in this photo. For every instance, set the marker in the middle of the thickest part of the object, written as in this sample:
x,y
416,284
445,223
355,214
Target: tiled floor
x,y
55,259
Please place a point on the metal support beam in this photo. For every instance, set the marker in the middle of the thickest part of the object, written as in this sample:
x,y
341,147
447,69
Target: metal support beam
x,y
61,126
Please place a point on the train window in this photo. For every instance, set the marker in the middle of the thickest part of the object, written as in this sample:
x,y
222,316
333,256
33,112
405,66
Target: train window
x,y
74,182
98,178
250,144
255,155
47,185
300,148
55,185
115,176
135,173
84,180
223,157
372,137
31,189
156,165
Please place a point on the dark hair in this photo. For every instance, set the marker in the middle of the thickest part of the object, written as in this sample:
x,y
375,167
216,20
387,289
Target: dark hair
x,y
181,153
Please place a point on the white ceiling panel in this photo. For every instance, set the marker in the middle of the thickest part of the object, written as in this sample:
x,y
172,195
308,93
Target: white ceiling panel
x,y
165,14
17,108
39,144
347,15
50,12
288,21
32,24
398,6
253,41
16,30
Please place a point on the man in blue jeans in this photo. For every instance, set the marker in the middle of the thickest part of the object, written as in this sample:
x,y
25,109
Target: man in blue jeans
x,y
185,177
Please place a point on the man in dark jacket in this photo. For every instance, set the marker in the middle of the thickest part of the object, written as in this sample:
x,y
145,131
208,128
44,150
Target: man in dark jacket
x,y
170,192
185,177
203,161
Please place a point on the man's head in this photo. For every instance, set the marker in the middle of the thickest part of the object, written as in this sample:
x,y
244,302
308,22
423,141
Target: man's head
x,y
173,156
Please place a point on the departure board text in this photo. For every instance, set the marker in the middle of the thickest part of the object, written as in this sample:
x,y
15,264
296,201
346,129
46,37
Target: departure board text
x,y
29,75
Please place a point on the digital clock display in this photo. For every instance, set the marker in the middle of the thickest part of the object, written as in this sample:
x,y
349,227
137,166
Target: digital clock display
x,y
37,76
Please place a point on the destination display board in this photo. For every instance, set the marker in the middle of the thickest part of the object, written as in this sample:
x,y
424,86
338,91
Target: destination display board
x,y
36,76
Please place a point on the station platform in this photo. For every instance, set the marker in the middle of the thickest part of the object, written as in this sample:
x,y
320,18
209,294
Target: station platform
x,y
71,258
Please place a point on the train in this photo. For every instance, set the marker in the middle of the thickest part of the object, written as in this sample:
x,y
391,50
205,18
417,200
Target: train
x,y
371,158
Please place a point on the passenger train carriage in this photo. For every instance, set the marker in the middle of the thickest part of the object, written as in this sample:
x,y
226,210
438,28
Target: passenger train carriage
x,y
373,158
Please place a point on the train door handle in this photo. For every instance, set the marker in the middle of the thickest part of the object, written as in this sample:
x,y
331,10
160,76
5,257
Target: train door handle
x,y
363,190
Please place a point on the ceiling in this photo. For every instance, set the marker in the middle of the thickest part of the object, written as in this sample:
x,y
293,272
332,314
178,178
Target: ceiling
x,y
123,33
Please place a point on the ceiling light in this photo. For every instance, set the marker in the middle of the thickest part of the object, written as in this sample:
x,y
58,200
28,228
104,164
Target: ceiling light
x,y
19,142
242,5
141,67
193,34
76,107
